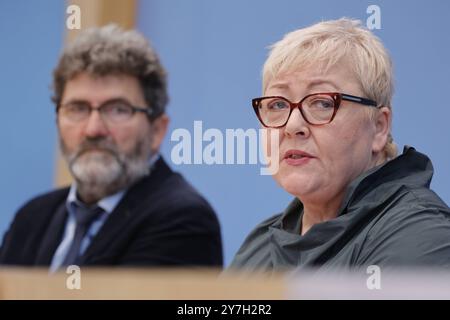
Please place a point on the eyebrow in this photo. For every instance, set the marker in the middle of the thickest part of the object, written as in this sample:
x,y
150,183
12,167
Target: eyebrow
x,y
281,85
115,99
317,82
311,84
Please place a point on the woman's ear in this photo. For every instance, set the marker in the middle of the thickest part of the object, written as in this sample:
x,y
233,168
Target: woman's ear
x,y
383,120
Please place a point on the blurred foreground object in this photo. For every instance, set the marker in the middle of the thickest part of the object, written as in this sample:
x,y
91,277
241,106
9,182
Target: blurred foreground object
x,y
207,284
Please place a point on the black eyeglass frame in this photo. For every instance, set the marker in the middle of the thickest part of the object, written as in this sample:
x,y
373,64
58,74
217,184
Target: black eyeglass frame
x,y
147,111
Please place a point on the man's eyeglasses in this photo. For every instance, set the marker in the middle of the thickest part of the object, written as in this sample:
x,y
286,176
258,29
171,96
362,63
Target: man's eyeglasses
x,y
113,111
316,108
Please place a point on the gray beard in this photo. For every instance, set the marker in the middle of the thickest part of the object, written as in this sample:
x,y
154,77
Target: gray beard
x,y
105,171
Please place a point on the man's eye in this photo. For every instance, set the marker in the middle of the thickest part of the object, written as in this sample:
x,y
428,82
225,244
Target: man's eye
x,y
78,108
118,109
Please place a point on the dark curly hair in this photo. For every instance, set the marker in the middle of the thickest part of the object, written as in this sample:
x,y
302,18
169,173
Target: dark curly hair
x,y
111,50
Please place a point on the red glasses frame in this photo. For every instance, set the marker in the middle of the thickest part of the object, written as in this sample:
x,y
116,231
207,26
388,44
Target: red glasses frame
x,y
336,96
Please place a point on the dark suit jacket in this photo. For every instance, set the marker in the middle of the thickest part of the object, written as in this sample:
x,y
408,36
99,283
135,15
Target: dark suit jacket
x,y
160,221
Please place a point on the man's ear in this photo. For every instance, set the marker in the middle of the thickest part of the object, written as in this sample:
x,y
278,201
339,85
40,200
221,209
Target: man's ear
x,y
159,129
383,119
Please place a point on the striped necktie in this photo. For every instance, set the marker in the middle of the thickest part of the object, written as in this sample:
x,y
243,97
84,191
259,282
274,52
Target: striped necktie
x,y
84,217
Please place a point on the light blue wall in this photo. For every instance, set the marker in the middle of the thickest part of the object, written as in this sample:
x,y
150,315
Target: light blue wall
x,y
30,39
214,51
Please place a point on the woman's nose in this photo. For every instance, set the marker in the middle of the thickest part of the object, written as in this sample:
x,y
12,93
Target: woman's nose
x,y
297,125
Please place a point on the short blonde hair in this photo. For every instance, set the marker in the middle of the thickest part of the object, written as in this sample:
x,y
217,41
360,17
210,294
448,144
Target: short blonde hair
x,y
326,44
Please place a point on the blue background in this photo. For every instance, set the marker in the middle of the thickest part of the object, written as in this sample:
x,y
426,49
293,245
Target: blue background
x,y
31,35
214,51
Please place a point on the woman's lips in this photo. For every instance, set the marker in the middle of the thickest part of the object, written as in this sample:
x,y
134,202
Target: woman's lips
x,y
297,157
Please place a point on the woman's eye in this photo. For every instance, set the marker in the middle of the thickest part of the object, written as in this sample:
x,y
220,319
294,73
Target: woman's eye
x,y
278,105
323,104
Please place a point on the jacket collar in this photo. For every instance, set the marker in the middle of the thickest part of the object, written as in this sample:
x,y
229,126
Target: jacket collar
x,y
126,209
410,168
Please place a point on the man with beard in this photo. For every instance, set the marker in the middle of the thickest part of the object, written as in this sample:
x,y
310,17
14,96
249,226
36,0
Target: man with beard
x,y
126,207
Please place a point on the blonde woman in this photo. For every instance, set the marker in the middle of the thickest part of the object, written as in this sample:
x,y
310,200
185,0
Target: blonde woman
x,y
327,90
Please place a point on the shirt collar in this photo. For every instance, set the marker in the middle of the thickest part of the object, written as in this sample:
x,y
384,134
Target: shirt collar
x,y
108,204
153,159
